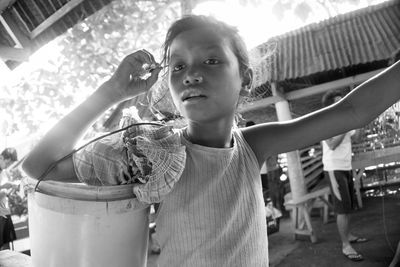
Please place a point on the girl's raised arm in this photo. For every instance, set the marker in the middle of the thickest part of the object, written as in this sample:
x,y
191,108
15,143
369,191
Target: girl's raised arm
x,y
355,110
63,137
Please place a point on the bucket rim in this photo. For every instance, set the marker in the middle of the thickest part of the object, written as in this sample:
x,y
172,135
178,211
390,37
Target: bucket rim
x,y
83,191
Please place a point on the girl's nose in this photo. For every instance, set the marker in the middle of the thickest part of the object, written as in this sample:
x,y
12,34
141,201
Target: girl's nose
x,y
194,78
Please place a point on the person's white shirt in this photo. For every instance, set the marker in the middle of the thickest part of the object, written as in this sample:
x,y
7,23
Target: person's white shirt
x,y
340,158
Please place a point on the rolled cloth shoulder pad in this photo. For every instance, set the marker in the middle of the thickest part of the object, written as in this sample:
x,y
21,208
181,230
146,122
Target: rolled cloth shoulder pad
x,y
157,159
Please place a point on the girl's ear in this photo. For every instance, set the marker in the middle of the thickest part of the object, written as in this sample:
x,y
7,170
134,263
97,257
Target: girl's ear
x,y
247,79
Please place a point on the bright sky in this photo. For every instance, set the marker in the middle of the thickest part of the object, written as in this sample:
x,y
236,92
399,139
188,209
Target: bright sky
x,y
257,24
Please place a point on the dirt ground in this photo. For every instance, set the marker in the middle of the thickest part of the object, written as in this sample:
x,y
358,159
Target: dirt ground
x,y
378,220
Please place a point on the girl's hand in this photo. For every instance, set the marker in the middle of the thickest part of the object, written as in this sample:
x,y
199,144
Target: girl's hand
x,y
136,74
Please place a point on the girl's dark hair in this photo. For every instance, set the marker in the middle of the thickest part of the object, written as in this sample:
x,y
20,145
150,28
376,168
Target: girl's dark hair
x,y
10,153
329,98
192,22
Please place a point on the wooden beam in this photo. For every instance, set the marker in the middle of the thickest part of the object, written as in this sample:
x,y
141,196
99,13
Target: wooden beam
x,y
19,37
259,104
313,90
5,3
9,31
321,88
376,157
55,17
11,53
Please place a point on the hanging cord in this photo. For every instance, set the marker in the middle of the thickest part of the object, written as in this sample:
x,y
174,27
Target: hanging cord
x,y
51,167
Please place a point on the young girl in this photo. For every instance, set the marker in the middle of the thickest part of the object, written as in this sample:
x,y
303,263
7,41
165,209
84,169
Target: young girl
x,y
214,215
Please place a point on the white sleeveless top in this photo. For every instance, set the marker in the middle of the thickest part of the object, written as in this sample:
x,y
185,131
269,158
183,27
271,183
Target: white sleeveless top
x,y
215,215
341,157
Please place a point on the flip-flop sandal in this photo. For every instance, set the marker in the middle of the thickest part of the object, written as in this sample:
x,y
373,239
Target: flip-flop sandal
x,y
359,240
354,256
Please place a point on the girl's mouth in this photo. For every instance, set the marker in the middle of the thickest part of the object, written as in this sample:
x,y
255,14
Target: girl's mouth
x,y
192,94
193,97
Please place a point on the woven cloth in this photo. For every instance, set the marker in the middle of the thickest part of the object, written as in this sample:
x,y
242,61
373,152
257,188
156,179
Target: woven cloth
x,y
151,157
157,159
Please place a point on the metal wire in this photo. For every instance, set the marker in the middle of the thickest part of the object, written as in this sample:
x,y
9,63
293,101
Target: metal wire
x,y
51,167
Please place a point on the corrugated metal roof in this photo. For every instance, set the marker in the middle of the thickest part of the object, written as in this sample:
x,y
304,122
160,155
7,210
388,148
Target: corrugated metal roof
x,y
36,22
362,36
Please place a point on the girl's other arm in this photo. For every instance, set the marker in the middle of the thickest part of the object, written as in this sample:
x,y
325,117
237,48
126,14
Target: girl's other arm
x,y
355,110
374,96
63,137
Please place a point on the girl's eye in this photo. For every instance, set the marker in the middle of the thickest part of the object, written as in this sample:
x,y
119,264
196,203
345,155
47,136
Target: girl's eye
x,y
178,67
212,61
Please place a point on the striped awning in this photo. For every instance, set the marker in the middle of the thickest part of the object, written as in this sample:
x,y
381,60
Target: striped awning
x,y
363,36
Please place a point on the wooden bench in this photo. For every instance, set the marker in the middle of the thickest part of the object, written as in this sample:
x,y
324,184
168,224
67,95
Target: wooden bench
x,y
303,206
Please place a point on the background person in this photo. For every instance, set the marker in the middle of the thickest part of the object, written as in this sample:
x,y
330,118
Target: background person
x,y
7,233
336,158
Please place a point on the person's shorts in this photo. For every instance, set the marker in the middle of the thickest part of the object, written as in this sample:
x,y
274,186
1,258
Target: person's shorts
x,y
7,232
343,198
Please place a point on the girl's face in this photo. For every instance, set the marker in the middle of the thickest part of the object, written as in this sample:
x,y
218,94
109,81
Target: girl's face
x,y
204,76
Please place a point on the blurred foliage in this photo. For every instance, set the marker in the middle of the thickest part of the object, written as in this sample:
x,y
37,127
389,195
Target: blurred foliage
x,y
381,132
18,202
90,52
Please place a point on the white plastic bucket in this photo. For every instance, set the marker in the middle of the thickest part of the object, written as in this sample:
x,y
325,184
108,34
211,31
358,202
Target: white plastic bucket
x,y
86,226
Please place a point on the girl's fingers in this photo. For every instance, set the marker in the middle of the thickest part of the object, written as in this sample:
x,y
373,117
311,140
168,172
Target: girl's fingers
x,y
153,77
146,83
136,73
140,62
151,57
136,61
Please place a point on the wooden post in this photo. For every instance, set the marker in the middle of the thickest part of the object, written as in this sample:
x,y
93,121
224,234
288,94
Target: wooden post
x,y
11,53
295,171
300,215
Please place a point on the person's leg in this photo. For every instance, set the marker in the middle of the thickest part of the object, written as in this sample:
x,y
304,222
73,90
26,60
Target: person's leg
x,y
2,231
342,206
353,206
342,221
8,233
